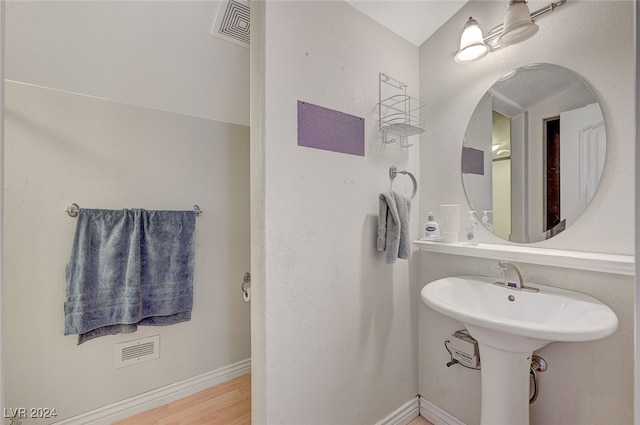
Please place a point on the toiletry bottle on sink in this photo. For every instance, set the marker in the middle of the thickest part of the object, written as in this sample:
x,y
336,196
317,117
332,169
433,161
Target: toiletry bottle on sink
x,y
472,229
486,222
431,228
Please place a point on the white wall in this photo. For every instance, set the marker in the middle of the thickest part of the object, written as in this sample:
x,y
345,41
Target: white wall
x,y
157,54
106,138
335,339
586,383
2,71
637,222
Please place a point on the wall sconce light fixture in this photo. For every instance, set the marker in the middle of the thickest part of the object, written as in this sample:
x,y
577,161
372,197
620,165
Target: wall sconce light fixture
x,y
518,26
472,45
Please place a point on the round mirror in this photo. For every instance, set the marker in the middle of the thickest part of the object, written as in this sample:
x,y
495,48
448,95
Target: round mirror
x,y
533,153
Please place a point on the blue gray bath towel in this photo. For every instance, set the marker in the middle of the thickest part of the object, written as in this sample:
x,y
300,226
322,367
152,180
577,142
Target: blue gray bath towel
x,y
129,267
393,226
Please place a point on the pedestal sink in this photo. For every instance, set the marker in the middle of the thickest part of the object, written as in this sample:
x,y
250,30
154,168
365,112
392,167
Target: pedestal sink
x,y
509,325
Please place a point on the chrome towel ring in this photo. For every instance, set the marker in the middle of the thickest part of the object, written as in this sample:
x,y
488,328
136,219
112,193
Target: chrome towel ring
x,y
393,172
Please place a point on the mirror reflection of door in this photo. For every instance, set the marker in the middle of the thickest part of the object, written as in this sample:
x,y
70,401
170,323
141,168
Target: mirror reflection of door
x,y
552,169
582,157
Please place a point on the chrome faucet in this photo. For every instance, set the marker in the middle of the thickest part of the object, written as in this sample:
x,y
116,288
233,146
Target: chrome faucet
x,y
506,266
519,283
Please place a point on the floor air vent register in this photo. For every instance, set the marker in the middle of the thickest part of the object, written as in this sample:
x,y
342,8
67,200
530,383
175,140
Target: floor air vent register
x,y
137,351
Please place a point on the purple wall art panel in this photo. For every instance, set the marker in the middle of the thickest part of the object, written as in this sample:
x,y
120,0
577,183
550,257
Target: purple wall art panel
x,y
472,161
323,128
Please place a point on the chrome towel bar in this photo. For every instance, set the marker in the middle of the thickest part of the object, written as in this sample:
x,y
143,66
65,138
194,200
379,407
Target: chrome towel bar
x,y
73,209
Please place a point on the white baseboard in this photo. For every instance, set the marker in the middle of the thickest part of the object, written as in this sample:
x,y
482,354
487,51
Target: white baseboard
x,y
436,415
123,409
107,415
405,414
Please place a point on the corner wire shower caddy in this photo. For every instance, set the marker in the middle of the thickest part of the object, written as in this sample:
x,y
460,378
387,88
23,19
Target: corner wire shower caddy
x,y
399,115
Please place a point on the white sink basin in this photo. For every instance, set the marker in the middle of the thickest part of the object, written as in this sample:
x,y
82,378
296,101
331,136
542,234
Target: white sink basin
x,y
549,315
509,325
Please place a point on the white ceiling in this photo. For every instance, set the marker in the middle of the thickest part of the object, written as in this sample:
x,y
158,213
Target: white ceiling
x,y
414,20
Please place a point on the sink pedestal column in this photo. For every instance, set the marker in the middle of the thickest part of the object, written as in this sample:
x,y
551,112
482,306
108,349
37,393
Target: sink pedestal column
x,y
505,386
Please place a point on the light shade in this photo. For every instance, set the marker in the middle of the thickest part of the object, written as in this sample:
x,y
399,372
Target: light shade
x,y
472,45
518,25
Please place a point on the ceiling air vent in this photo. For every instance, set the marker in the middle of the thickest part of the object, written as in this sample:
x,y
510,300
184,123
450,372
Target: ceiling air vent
x,y
137,351
232,22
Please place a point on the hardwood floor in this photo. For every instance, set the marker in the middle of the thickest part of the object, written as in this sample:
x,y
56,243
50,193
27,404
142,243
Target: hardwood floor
x,y
420,421
224,404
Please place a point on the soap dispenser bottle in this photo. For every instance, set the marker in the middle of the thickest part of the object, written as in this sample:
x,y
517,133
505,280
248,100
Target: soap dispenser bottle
x,y
472,229
431,228
486,222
